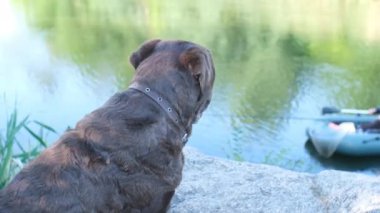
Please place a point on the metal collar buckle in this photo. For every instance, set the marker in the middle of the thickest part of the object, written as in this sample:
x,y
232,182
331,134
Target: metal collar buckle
x,y
185,139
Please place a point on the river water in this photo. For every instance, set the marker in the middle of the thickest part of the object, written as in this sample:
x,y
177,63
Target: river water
x,y
278,63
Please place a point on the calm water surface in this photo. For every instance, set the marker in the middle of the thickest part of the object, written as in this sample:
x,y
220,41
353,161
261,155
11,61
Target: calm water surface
x,y
278,63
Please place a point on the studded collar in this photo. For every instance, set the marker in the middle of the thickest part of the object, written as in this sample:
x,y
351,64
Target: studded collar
x,y
165,105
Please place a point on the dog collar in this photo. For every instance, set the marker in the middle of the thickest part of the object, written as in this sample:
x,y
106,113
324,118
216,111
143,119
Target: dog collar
x,y
165,105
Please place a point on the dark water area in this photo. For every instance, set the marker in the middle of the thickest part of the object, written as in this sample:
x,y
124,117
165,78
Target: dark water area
x,y
277,63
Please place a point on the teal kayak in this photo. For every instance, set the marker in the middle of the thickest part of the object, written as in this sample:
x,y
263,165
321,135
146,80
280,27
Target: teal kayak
x,y
329,135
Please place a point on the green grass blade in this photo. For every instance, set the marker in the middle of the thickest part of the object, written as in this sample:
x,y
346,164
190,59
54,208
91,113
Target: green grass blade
x,y
19,146
12,129
7,155
21,155
45,126
7,151
26,156
5,166
35,136
1,144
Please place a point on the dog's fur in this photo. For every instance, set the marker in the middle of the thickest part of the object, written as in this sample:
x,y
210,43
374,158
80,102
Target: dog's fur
x,y
125,156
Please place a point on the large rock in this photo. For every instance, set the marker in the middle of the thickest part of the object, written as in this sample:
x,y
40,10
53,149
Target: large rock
x,y
212,184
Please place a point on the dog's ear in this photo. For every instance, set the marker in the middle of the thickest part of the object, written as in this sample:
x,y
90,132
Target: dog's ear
x,y
199,62
143,52
193,61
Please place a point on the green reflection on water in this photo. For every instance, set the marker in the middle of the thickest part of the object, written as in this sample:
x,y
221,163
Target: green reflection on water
x,y
265,51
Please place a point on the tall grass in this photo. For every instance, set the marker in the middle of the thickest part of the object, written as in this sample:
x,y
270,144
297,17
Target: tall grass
x,y
13,153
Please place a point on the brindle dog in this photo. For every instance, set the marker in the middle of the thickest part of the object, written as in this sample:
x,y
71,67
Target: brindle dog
x,y
125,156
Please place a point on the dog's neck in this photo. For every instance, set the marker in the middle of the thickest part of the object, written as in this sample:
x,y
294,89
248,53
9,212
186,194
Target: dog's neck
x,y
165,105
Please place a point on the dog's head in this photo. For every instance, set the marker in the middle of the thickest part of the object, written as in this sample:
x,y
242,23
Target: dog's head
x,y
178,63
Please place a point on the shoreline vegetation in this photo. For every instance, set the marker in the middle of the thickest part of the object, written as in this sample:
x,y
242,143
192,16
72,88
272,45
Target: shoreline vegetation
x,y
14,153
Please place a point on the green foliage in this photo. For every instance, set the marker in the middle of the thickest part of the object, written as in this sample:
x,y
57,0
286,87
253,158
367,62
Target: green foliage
x,y
11,161
255,44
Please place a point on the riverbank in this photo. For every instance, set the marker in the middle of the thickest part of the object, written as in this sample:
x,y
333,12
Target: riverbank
x,y
213,184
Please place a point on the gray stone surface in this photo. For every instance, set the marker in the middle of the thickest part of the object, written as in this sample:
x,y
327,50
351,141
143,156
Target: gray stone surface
x,y
212,184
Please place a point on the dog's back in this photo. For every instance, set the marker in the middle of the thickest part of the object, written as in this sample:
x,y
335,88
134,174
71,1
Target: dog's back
x,y
77,174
